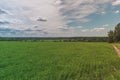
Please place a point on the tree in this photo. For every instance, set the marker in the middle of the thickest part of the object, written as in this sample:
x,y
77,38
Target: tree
x,y
117,33
111,36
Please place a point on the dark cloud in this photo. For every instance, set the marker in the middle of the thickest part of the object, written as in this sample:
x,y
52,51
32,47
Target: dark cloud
x,y
2,11
45,32
15,30
11,31
8,30
4,22
64,29
5,29
42,20
35,26
30,30
39,31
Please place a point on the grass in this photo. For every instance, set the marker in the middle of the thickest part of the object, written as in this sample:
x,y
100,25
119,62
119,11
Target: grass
x,y
58,61
117,45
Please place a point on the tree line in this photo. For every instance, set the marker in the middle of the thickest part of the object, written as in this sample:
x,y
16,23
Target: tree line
x,y
114,35
56,39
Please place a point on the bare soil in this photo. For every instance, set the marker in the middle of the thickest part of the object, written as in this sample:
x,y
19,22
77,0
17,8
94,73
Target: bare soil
x,y
117,50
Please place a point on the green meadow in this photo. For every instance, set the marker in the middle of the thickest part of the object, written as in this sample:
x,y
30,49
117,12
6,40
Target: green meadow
x,y
58,61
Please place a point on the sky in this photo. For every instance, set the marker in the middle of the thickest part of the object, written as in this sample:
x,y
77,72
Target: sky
x,y
58,18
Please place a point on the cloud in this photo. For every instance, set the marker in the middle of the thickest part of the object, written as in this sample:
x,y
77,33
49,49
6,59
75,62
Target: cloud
x,y
85,30
4,22
45,33
22,33
70,28
98,29
79,27
79,10
101,28
2,11
6,31
117,11
105,25
35,26
66,29
103,12
93,30
30,30
41,19
116,2
23,14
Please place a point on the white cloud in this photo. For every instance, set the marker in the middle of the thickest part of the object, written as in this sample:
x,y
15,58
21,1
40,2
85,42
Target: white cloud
x,y
22,14
105,25
116,2
117,11
101,28
78,11
96,29
85,30
103,12
93,30
71,29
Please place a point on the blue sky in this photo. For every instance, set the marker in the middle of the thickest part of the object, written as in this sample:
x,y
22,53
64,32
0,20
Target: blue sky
x,y
58,18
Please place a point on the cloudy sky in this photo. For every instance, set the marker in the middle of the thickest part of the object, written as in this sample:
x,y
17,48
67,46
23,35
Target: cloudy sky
x,y
58,18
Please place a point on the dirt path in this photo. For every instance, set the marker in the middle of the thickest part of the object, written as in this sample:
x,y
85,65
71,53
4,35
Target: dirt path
x,y
117,50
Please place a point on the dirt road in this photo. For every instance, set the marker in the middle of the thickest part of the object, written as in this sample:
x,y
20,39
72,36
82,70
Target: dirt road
x,y
117,50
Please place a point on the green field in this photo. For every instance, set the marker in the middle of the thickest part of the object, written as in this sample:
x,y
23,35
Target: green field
x,y
58,61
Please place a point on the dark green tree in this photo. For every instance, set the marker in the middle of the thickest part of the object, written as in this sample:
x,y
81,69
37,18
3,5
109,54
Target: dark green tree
x,y
111,36
117,33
